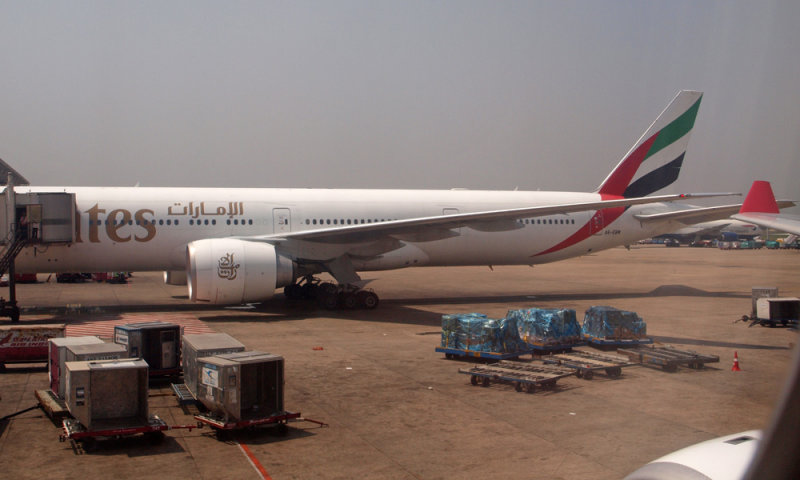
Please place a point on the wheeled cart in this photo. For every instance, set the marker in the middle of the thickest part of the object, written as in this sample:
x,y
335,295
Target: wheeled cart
x,y
154,429
668,358
525,376
453,353
586,364
221,427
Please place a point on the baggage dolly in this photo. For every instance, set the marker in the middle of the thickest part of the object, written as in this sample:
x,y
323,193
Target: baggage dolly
x,y
525,376
587,364
668,358
222,427
154,430
454,353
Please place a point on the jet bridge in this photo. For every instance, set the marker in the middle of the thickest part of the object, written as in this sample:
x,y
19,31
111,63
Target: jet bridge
x,y
30,219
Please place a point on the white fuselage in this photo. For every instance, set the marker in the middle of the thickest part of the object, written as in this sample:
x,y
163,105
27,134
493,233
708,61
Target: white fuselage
x,y
147,229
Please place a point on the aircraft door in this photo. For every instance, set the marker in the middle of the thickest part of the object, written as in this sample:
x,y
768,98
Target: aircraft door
x,y
281,220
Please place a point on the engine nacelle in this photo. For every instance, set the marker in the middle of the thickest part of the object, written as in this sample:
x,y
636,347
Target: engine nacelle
x,y
227,271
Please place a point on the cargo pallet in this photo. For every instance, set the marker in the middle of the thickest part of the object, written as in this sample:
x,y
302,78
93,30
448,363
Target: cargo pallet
x,y
668,358
616,342
452,353
525,376
153,429
586,364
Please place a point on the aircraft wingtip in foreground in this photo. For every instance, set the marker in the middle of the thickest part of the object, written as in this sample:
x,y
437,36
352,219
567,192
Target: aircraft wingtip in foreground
x,y
240,245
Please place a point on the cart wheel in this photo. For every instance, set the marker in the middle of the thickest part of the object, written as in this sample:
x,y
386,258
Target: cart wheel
x,y
614,372
518,386
531,387
578,373
588,375
670,368
473,379
485,382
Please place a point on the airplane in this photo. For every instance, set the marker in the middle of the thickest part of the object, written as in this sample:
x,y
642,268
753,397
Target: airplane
x,y
760,207
714,229
240,245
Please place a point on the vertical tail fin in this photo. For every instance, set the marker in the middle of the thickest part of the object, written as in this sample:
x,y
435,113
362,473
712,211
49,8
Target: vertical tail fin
x,y
760,199
654,162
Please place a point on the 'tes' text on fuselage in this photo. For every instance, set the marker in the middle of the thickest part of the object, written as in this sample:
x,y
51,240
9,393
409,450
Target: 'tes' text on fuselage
x,y
116,220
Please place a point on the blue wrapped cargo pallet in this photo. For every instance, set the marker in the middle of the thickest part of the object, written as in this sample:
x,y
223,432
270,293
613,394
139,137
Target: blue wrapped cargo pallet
x,y
547,329
613,327
476,335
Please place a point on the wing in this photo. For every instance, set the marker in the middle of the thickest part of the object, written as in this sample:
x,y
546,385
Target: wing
x,y
781,222
692,215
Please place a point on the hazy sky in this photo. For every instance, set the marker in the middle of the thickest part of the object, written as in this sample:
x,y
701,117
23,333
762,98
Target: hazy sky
x,y
489,94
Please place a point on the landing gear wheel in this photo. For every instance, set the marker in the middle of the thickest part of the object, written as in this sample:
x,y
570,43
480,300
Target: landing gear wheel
x,y
368,299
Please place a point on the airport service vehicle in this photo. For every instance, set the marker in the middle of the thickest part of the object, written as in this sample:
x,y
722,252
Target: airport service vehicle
x,y
239,245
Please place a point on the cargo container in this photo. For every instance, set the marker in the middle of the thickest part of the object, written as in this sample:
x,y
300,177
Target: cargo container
x,y
27,343
199,345
780,310
99,351
107,394
157,343
57,356
241,386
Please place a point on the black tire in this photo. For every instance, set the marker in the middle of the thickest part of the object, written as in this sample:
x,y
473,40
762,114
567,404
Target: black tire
x,y
588,375
473,379
485,382
518,386
531,388
614,372
368,300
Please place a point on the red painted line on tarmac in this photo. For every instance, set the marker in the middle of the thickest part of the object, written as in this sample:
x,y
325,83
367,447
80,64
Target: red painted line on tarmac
x,y
254,461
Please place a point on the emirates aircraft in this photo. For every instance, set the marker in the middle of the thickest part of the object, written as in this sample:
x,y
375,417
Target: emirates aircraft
x,y
239,245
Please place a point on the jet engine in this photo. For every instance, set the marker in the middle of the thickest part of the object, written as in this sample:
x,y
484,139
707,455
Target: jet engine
x,y
227,271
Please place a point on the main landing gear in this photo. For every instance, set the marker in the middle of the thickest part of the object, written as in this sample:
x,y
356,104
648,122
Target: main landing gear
x,y
330,295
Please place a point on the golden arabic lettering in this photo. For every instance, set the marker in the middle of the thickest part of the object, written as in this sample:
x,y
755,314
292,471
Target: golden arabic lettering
x,y
227,268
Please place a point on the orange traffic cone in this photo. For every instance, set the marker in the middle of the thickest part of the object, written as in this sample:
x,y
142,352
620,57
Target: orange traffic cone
x,y
735,367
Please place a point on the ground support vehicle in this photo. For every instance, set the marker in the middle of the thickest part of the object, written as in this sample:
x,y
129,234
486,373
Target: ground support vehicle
x,y
524,376
453,353
586,364
153,429
668,358
27,343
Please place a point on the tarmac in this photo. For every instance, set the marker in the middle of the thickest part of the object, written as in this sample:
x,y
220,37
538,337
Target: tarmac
x,y
396,409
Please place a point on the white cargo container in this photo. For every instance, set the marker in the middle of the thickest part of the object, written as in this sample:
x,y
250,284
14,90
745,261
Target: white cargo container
x,y
242,386
107,394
